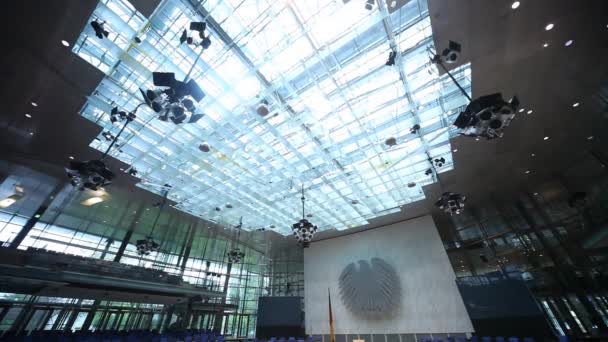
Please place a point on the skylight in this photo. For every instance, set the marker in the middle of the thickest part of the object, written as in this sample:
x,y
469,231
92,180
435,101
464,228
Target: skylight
x,y
332,105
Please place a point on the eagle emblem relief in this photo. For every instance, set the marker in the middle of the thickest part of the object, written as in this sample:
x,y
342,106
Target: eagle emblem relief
x,y
371,289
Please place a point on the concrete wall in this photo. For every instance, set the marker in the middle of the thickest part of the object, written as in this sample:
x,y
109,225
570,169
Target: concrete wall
x,y
429,301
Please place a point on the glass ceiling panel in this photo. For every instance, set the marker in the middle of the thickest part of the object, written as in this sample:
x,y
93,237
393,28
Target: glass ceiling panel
x,y
332,105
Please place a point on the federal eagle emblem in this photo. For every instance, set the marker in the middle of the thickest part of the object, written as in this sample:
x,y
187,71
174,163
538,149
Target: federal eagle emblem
x,y
371,289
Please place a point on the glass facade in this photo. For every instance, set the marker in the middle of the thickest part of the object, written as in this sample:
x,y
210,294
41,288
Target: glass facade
x,y
552,236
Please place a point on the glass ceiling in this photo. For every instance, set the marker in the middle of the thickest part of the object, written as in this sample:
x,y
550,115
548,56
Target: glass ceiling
x,y
333,102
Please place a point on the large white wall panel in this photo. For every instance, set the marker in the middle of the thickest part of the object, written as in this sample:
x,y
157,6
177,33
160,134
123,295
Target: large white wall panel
x,y
429,300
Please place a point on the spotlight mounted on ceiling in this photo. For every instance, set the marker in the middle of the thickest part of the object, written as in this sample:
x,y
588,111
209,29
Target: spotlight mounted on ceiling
x,y
174,100
390,142
200,28
94,174
369,5
91,174
439,162
486,116
99,29
451,203
391,58
451,53
415,129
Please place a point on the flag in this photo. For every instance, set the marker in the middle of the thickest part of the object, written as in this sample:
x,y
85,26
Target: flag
x,y
332,337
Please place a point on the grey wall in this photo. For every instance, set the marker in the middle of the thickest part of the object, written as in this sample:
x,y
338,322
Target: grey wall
x,y
429,301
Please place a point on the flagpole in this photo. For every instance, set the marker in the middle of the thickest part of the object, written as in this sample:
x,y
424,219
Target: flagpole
x,y
332,336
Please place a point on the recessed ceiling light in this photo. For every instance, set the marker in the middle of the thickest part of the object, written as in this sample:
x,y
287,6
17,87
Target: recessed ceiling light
x,y
34,104
521,110
420,107
455,150
527,171
546,138
549,27
31,133
476,139
590,137
28,116
576,104
515,4
71,157
545,45
569,42
533,155
530,111
65,43
536,194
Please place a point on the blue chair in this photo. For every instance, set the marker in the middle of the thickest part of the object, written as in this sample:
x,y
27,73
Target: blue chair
x,y
564,339
438,339
513,339
461,339
486,339
528,339
474,339
500,339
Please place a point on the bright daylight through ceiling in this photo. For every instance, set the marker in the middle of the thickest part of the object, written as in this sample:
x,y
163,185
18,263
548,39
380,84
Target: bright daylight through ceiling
x,y
319,68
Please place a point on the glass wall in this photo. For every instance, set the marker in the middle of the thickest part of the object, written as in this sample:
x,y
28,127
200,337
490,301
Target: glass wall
x,y
553,236
190,248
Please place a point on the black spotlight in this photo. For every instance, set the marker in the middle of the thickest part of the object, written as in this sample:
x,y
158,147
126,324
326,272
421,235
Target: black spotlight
x,y
100,32
451,53
391,58
415,129
390,142
487,116
176,100
369,5
91,174
439,162
199,27
451,203
428,172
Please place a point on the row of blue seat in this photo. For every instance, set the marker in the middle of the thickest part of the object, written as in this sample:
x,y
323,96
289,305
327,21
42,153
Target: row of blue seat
x,y
132,336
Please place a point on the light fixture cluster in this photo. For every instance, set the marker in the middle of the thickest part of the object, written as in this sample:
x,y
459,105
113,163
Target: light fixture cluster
x,y
451,203
174,100
235,255
94,174
147,246
487,116
303,230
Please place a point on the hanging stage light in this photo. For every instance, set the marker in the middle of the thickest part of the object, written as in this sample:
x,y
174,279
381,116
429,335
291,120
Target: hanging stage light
x,y
451,203
94,174
199,27
486,116
235,255
303,230
176,100
148,245
100,31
